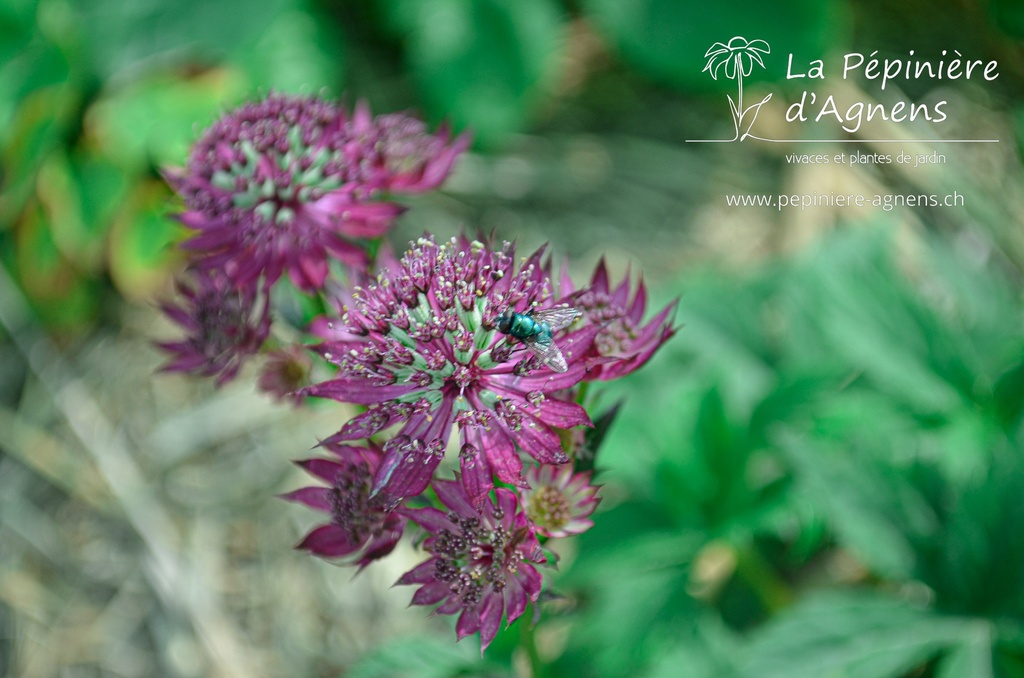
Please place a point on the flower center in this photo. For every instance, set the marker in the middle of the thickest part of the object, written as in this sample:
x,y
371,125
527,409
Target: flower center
x,y
473,559
351,507
549,507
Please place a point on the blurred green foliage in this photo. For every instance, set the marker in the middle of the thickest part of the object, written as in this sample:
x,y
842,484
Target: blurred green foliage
x,y
820,475
832,486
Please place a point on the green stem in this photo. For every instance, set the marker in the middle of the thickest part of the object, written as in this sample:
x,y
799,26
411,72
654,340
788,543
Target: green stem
x,y
770,589
528,642
583,392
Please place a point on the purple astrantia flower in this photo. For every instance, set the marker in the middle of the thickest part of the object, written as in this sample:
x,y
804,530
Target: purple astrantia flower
x,y
559,502
225,325
360,528
482,560
398,154
420,347
622,337
286,183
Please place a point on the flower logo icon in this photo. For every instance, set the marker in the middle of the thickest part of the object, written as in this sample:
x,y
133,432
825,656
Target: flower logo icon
x,y
735,60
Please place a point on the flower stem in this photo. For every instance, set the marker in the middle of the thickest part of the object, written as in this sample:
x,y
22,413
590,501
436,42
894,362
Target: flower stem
x,y
528,642
772,591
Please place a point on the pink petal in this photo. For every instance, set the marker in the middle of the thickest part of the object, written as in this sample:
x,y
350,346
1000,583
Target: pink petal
x,y
363,426
380,546
476,474
561,414
430,519
530,579
515,600
357,390
328,541
404,472
621,294
454,497
500,451
539,441
313,497
325,469
438,169
508,504
636,311
599,281
490,619
431,593
468,624
421,574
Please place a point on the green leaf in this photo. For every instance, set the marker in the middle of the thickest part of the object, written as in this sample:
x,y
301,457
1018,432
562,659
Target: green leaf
x,y
865,505
1009,16
972,656
709,651
294,306
121,35
626,623
153,122
37,128
1009,395
483,62
15,34
80,198
57,292
868,316
424,657
299,52
848,634
141,243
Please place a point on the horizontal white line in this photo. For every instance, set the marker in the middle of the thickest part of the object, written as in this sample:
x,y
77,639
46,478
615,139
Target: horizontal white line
x,y
850,141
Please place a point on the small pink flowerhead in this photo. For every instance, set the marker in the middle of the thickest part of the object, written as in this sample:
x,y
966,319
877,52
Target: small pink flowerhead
x,y
224,326
559,502
482,560
360,528
624,342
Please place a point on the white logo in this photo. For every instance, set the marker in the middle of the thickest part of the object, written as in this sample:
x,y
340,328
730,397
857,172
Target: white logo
x,y
736,60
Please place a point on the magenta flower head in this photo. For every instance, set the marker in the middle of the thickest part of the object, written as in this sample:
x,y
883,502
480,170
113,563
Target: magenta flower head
x,y
225,326
623,339
360,528
273,187
559,502
481,563
399,154
421,347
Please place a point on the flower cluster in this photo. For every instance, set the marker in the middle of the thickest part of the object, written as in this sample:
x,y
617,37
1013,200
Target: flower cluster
x,y
454,347
428,347
286,184
296,185
421,347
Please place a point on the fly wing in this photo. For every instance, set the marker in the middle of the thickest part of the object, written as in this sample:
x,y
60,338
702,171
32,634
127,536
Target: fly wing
x,y
545,349
557,318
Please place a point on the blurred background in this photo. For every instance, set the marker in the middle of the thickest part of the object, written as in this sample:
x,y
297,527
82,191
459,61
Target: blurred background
x,y
821,475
